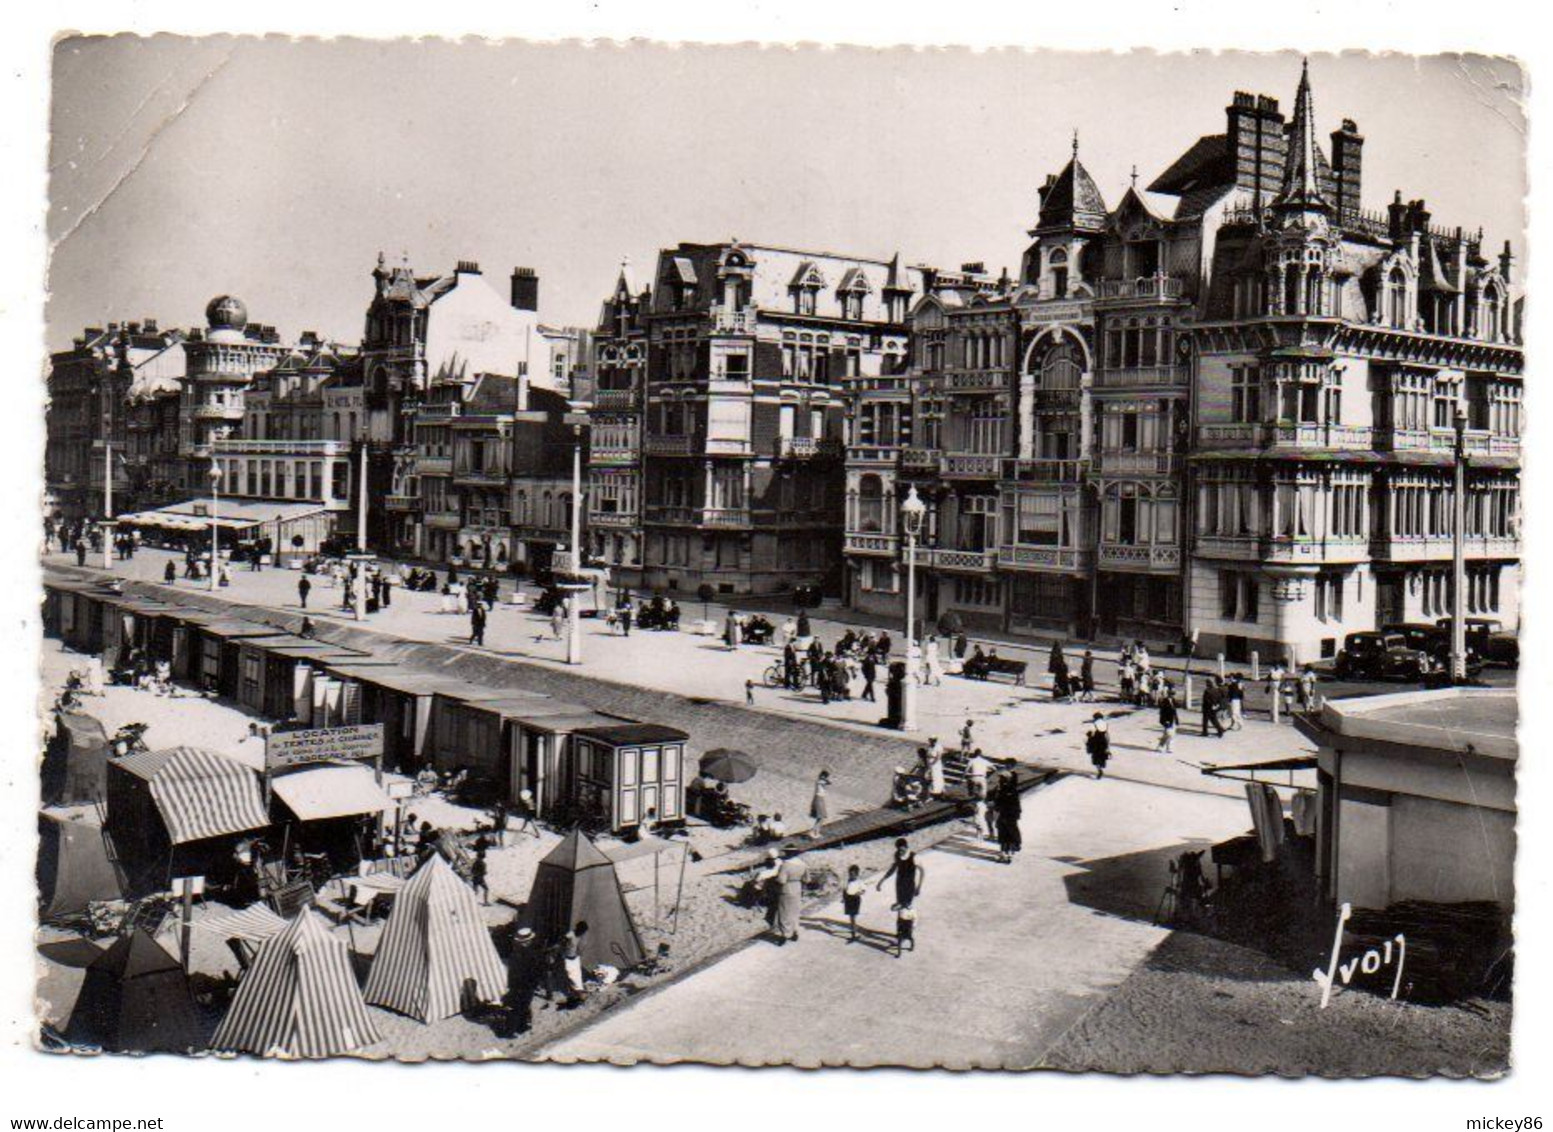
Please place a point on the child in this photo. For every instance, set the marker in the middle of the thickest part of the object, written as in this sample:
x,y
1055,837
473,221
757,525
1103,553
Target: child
x,y
967,742
852,898
905,930
749,693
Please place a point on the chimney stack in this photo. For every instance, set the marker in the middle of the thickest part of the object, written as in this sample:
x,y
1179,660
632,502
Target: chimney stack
x,y
1506,261
467,267
1347,169
1257,143
525,289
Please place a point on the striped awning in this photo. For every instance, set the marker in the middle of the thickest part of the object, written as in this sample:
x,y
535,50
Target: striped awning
x,y
299,999
199,793
435,941
256,924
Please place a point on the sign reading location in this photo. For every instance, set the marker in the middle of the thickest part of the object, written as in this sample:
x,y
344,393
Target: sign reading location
x,y
324,744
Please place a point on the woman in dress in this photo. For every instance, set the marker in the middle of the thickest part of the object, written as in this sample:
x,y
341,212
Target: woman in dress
x,y
789,879
819,808
932,664
907,873
1009,810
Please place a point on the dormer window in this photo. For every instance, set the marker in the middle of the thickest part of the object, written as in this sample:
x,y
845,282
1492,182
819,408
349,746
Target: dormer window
x,y
804,299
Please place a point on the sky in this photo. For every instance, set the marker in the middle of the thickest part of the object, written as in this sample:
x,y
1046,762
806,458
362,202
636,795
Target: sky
x,y
276,170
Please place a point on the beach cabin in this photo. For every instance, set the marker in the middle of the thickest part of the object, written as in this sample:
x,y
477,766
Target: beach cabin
x,y
624,770
217,646
471,734
277,674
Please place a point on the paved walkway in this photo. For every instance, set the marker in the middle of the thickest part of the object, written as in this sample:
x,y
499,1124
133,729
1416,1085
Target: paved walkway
x,y
1013,722
1008,956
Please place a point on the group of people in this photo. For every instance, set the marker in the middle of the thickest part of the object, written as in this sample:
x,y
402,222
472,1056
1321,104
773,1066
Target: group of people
x,y
1066,688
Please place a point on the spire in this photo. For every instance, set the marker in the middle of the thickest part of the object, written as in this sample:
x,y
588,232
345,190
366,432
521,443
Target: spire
x,y
1075,143
1301,190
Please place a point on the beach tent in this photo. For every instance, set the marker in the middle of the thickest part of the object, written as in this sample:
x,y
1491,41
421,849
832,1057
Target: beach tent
x,y
434,944
135,998
74,868
75,762
577,882
173,803
299,999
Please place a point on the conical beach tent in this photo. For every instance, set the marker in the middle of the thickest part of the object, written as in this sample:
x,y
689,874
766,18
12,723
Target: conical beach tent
x,y
73,866
434,943
578,882
299,999
75,763
135,999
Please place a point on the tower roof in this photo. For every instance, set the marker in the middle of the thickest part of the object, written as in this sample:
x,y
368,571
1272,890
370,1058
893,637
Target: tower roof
x,y
1301,189
1072,199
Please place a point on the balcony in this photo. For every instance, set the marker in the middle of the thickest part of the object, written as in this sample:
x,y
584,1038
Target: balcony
x,y
873,456
926,458
807,447
860,543
481,477
726,518
1284,551
612,457
672,515
961,561
1258,435
1119,463
1479,442
1156,288
971,465
657,445
218,412
614,520
402,502
1437,548
614,398
282,447
434,465
1140,559
442,520
726,320
1045,471
715,447
1141,377
977,380
1044,559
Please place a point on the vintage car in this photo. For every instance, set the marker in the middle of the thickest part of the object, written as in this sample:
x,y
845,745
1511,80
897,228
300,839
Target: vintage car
x,y
1490,640
1382,656
1436,641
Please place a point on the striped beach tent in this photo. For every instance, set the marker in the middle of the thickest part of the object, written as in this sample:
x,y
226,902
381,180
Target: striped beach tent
x,y
434,945
196,793
299,999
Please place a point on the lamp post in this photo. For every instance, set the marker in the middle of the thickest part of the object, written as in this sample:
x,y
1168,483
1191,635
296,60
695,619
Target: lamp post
x,y
275,557
215,526
913,511
1458,660
107,501
574,610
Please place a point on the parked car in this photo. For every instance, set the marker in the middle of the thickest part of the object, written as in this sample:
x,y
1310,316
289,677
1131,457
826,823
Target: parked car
x,y
1490,640
1436,641
1382,656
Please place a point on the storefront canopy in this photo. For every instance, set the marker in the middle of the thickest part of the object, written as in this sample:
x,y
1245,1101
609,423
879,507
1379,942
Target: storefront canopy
x,y
228,514
325,792
199,793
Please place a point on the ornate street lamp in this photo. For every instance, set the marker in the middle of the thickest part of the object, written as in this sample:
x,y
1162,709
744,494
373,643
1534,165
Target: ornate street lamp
x,y
912,513
215,525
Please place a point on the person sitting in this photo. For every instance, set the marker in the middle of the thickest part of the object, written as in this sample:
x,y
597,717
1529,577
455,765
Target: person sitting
x,y
760,833
778,828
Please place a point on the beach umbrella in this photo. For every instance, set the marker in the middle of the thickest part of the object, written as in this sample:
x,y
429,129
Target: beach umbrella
x,y
727,765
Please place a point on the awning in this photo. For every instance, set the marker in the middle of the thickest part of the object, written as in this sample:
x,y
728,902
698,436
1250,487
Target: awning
x,y
1247,772
199,793
255,924
331,792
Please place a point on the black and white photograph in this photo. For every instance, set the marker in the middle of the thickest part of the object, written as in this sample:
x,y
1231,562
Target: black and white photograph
x,y
778,554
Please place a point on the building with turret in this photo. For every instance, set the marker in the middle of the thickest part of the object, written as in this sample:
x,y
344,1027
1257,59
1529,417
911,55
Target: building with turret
x,y
1223,408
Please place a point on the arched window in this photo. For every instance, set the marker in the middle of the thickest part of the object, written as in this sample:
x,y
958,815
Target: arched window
x,y
1493,321
1291,289
1060,369
1396,287
1059,268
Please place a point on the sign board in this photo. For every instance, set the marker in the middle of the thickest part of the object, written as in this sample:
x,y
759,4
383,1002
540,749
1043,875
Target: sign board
x,y
325,744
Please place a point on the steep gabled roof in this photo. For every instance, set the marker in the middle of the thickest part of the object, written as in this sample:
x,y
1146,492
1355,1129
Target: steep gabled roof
x,y
1207,162
1073,200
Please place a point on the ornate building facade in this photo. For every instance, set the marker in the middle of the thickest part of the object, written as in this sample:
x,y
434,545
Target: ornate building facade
x,y
1233,418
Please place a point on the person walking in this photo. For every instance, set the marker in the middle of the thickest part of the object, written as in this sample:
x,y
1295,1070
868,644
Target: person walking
x,y
525,975
976,769
525,812
170,575
967,739
477,874
1008,809
905,930
804,632
1308,689
477,623
935,770
1169,720
1212,701
870,669
731,631
1086,678
819,805
626,615
558,619
791,675
304,587
789,880
1098,743
932,664
907,873
80,552
1236,694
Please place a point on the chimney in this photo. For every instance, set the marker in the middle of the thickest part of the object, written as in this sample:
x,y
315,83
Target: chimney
x,y
525,289
977,268
1257,143
523,387
150,325
1506,260
1396,215
1347,169
467,267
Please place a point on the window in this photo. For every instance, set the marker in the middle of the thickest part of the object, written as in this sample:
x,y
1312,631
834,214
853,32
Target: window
x,y
975,591
1059,270
1445,394
1245,394
1239,596
1039,519
1060,368
1329,597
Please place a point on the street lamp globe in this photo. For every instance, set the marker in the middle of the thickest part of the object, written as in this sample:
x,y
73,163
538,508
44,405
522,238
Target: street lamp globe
x,y
913,510
215,473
